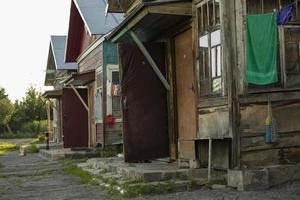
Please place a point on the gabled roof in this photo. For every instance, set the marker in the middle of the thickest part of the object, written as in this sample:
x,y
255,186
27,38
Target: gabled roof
x,y
56,59
58,46
92,13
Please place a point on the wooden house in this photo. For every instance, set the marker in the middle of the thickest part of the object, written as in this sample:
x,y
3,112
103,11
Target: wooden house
x,y
57,70
86,45
185,62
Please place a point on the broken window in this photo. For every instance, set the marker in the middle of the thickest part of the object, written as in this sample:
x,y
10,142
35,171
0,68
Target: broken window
x,y
288,42
210,55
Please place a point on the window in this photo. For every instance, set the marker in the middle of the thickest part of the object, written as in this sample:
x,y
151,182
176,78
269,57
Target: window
x,y
210,51
288,43
113,91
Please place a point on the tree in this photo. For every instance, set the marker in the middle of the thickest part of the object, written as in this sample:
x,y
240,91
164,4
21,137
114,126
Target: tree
x,y
31,108
6,110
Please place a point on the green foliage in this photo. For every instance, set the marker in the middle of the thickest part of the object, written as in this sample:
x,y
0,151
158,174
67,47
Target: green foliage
x,y
71,168
1,165
5,147
29,112
25,118
41,138
30,148
27,130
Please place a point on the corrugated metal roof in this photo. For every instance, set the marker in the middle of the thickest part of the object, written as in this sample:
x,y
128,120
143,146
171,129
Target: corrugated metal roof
x,y
93,15
58,46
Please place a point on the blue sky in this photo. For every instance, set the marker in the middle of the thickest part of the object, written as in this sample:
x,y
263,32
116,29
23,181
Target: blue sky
x,y
26,26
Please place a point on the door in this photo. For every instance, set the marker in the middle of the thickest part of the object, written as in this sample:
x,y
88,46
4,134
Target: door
x,y
74,118
185,89
145,115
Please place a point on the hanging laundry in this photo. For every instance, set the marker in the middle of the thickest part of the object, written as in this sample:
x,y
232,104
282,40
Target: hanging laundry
x,y
261,49
285,14
116,90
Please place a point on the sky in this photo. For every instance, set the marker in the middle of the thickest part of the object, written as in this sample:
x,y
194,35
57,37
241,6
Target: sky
x,y
26,26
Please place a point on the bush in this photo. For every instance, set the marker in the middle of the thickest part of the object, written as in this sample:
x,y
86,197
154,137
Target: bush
x,y
28,130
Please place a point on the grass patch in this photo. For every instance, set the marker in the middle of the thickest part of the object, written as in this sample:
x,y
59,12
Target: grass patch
x,y
41,138
5,147
71,168
1,165
31,148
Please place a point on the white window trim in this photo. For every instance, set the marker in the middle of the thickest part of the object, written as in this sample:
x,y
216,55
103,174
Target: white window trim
x,y
111,68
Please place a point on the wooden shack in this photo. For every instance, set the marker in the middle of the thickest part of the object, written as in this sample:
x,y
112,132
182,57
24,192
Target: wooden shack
x,y
214,116
87,46
57,70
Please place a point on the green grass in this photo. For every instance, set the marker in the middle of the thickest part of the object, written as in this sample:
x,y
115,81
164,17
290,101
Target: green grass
x,y
5,147
71,168
31,148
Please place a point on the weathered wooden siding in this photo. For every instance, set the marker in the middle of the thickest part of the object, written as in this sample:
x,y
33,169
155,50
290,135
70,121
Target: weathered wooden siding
x,y
92,127
92,60
100,133
219,129
252,122
113,134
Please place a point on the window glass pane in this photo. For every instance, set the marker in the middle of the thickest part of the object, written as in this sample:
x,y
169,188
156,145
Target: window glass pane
x,y
213,62
292,56
215,38
115,78
219,70
217,85
254,6
217,11
203,62
203,41
270,5
211,13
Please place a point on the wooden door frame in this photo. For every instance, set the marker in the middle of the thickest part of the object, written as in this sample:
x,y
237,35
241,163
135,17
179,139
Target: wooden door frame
x,y
172,70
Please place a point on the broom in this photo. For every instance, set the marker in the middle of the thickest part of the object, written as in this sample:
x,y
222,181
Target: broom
x,y
271,135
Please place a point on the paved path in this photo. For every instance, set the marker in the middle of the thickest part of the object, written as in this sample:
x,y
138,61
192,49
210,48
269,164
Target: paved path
x,y
34,178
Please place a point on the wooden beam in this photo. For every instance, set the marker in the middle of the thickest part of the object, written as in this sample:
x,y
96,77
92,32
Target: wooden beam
x,y
150,59
80,98
209,159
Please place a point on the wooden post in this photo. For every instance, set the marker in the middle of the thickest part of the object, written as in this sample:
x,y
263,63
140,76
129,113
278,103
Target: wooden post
x,y
49,118
150,59
87,109
209,159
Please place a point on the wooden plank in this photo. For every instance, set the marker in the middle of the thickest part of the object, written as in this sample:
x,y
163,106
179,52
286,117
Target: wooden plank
x,y
214,123
186,102
258,143
270,157
263,97
172,9
253,117
207,103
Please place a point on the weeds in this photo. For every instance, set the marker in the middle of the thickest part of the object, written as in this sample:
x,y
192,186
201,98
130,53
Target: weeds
x,y
71,168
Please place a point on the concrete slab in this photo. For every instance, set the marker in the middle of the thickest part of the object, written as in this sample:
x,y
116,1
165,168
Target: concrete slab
x,y
157,170
260,179
59,154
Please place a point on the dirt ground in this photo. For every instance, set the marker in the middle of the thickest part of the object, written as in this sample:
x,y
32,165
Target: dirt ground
x,y
35,178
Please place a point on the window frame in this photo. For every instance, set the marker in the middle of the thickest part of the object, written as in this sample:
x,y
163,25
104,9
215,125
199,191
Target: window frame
x,y
212,26
282,84
109,107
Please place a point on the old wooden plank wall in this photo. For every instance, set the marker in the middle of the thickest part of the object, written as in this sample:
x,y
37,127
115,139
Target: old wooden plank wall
x,y
92,60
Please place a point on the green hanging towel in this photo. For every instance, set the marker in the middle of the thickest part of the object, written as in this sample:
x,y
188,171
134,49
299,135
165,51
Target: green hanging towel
x,y
261,49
